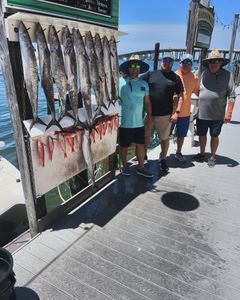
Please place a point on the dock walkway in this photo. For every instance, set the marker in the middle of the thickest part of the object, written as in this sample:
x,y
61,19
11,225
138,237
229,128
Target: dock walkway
x,y
174,237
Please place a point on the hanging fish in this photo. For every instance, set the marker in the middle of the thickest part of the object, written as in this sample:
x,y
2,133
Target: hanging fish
x,y
87,154
83,72
71,72
30,71
46,73
102,76
40,151
94,71
114,64
110,91
62,142
58,70
50,146
78,136
70,140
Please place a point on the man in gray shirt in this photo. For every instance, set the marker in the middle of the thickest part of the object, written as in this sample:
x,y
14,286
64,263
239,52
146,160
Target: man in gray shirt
x,y
217,91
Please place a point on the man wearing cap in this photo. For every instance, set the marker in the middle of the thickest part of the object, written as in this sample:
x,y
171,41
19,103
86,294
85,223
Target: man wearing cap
x,y
191,85
217,91
163,84
134,96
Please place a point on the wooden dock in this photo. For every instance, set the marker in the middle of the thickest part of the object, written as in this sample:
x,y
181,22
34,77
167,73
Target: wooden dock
x,y
174,237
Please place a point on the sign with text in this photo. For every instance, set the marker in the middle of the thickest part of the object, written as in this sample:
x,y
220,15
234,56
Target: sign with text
x,y
204,27
101,12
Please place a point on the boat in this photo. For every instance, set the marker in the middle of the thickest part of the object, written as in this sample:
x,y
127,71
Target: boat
x,y
13,217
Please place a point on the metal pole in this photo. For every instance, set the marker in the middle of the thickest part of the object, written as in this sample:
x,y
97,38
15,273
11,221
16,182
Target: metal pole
x,y
234,33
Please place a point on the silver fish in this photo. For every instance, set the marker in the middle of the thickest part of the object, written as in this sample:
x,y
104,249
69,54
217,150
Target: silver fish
x,y
46,73
30,71
71,71
93,68
102,76
58,69
114,63
111,93
87,154
83,72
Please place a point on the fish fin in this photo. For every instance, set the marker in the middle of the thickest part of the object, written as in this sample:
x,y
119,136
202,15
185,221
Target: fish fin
x,y
35,121
54,122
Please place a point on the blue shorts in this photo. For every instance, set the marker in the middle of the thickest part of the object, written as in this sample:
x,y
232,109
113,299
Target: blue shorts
x,y
214,126
182,126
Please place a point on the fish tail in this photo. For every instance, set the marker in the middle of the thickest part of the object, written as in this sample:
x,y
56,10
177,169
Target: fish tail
x,y
35,121
65,114
54,122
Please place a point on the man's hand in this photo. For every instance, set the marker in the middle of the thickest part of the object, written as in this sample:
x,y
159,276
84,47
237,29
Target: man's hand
x,y
174,117
149,122
227,117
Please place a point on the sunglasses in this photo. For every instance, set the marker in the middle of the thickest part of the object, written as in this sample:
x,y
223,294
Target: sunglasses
x,y
187,62
135,66
167,61
215,61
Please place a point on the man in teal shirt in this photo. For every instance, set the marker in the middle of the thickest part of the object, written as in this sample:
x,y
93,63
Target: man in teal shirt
x,y
134,97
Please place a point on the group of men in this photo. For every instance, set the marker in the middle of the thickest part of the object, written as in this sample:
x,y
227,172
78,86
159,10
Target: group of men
x,y
160,98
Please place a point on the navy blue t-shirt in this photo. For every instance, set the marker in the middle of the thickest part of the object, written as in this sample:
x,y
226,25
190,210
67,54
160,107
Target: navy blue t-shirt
x,y
162,87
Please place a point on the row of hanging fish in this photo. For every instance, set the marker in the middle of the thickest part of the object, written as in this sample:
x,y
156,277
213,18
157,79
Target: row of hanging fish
x,y
84,65
74,139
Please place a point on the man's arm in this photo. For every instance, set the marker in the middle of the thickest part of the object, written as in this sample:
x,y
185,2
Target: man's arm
x,y
148,109
180,100
228,114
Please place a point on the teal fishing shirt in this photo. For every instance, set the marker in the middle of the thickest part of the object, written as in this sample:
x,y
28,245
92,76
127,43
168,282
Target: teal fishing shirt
x,y
132,93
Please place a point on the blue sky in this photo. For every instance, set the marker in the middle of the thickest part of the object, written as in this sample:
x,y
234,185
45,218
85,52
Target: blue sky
x,y
165,21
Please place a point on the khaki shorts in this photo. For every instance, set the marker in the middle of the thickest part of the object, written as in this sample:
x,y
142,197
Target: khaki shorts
x,y
162,124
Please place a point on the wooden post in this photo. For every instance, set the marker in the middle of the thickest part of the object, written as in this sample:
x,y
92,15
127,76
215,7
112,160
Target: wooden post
x,y
192,25
156,54
234,32
17,127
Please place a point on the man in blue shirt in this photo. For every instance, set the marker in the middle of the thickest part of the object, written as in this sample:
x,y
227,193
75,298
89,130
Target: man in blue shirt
x,y
134,97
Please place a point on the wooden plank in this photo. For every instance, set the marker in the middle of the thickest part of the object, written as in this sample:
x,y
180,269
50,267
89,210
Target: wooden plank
x,y
156,55
17,127
228,276
146,266
123,276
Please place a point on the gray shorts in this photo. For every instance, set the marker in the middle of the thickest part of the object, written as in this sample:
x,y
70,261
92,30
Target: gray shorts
x,y
162,124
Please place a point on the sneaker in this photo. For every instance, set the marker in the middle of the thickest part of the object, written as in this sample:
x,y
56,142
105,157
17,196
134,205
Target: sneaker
x,y
163,165
199,157
180,157
211,162
126,171
145,173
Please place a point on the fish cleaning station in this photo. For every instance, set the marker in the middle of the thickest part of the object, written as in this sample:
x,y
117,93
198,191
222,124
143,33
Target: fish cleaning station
x,y
95,234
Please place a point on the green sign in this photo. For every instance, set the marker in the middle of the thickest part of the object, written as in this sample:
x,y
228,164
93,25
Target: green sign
x,y
204,27
101,12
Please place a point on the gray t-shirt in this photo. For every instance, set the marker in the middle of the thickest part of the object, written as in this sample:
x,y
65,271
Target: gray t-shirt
x,y
215,90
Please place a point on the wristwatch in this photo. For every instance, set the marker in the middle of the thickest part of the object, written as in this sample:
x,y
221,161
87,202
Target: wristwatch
x,y
177,112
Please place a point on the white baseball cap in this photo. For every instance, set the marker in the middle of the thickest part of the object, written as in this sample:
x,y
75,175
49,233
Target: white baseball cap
x,y
186,56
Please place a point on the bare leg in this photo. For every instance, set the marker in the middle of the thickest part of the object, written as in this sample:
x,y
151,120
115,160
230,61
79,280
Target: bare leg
x,y
140,155
164,146
123,155
214,145
180,141
202,142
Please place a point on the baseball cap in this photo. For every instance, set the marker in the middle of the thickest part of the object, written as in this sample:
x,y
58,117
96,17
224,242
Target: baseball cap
x,y
186,56
168,55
